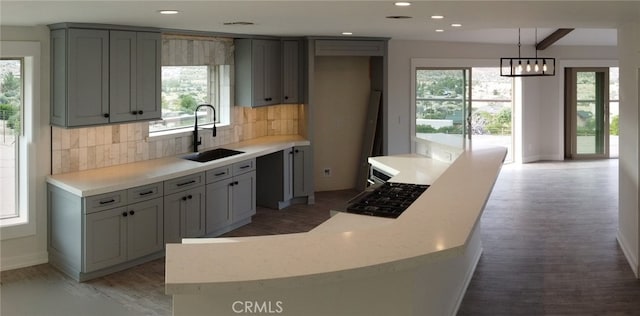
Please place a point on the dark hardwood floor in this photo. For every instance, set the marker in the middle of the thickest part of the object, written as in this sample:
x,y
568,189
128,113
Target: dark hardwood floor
x,y
548,231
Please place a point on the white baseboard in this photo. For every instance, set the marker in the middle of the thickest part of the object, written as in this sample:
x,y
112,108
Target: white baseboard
x,y
630,255
529,159
16,262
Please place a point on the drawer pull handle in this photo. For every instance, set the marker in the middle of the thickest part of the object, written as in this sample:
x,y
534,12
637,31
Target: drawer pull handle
x,y
145,193
220,174
107,202
245,166
186,183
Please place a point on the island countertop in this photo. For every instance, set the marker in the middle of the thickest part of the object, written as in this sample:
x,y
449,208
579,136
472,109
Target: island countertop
x,y
438,224
109,179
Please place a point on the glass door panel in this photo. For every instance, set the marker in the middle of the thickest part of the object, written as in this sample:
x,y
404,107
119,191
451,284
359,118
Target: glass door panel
x,y
443,99
588,110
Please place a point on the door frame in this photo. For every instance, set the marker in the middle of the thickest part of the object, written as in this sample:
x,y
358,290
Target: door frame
x,y
466,100
570,113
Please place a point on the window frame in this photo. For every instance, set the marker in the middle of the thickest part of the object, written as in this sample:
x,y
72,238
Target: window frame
x,y
224,113
25,224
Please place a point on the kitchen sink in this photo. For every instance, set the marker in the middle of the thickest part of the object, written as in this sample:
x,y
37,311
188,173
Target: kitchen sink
x,y
212,154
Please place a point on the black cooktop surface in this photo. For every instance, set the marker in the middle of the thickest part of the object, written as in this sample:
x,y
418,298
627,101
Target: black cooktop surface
x,y
388,200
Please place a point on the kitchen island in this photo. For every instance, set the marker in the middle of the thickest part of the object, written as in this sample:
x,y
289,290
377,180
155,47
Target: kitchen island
x,y
417,264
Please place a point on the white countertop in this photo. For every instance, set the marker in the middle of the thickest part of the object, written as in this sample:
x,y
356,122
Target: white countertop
x,y
439,223
109,179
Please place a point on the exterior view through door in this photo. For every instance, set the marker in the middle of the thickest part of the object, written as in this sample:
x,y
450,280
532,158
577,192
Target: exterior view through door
x,y
587,113
456,105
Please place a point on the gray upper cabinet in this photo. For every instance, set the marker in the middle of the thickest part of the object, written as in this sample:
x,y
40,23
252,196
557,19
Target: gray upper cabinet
x,y
80,77
134,76
258,71
102,76
292,71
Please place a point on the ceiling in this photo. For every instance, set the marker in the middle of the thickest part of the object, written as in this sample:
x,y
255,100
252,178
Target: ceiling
x,y
482,21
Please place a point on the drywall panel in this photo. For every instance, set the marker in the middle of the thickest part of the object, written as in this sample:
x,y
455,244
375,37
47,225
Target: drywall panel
x,y
341,87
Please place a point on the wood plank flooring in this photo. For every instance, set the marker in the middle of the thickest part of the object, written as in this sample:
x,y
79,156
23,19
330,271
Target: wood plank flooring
x,y
549,237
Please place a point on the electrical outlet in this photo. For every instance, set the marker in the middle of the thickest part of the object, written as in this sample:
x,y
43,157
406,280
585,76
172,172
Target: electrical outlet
x,y
326,172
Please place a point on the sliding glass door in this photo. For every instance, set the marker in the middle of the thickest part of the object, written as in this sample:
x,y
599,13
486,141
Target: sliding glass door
x,y
443,105
586,113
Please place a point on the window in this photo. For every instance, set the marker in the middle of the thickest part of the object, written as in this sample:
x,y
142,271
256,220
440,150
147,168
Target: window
x,y
195,71
18,168
11,76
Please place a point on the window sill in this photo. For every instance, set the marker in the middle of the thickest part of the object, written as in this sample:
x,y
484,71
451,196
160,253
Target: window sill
x,y
180,132
16,227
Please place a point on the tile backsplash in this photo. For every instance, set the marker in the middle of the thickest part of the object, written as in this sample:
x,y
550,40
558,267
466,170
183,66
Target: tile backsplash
x,y
103,146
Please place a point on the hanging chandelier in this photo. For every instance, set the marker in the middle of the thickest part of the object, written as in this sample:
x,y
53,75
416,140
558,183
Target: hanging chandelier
x,y
527,66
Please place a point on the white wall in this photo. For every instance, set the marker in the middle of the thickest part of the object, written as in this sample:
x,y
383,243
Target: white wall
x,y
628,219
542,114
31,250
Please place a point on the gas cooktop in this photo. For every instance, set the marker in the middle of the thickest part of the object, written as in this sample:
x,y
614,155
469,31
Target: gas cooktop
x,y
387,200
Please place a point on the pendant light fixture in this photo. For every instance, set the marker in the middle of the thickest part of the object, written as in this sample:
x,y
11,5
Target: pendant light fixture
x,y
533,66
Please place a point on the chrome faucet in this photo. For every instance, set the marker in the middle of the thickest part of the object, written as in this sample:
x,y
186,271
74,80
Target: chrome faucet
x,y
198,140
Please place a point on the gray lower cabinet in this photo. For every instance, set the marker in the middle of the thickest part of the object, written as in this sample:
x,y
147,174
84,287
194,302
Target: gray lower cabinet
x,y
284,177
122,234
184,215
231,197
96,235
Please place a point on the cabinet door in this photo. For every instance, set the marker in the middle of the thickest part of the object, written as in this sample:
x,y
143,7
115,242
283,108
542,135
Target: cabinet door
x,y
172,217
105,239
266,72
88,77
145,228
218,205
244,196
273,65
148,72
122,83
302,171
291,69
193,213
287,174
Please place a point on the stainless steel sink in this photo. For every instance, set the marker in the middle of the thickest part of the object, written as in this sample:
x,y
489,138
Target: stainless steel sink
x,y
212,154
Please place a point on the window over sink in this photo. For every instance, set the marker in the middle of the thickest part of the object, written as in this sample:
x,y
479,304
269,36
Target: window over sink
x,y
195,70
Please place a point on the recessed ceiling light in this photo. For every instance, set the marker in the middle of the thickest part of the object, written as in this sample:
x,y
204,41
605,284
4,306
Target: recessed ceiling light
x,y
397,17
402,4
456,25
439,30
437,17
238,23
168,11
347,33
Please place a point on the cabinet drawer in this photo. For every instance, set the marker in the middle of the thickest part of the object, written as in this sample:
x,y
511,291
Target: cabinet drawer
x,y
145,192
218,174
244,166
105,201
183,183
